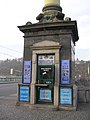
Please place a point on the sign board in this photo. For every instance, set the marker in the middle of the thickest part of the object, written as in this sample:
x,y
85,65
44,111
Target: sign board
x,y
45,94
65,72
27,72
45,59
66,96
24,93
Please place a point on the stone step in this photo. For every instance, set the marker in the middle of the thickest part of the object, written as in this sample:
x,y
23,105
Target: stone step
x,y
44,107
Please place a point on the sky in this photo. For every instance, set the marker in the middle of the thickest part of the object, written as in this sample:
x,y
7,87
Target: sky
x,y
15,13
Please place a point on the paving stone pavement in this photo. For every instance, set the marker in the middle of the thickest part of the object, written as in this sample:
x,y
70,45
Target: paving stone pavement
x,y
9,111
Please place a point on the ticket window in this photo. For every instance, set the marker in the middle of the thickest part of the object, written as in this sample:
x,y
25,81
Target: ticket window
x,y
45,79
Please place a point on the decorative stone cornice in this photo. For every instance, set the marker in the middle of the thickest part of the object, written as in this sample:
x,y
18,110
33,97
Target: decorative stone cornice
x,y
63,25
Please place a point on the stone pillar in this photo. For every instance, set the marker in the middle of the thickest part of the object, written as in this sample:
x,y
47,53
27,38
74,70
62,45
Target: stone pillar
x,y
33,91
54,2
52,12
56,95
75,89
57,75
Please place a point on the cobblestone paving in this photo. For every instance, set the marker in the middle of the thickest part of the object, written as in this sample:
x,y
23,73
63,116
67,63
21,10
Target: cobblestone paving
x,y
9,111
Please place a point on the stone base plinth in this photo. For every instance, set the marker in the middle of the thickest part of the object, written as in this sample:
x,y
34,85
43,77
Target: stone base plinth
x,y
68,108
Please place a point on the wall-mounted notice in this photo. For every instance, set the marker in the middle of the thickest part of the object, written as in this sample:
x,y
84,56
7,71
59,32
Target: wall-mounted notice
x,y
24,94
45,94
65,72
66,96
27,72
46,59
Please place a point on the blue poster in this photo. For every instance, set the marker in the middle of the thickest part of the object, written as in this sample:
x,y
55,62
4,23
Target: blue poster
x,y
66,96
24,94
27,72
65,72
45,94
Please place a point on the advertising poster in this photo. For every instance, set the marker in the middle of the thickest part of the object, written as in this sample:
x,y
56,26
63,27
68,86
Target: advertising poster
x,y
66,96
45,94
65,72
27,72
24,93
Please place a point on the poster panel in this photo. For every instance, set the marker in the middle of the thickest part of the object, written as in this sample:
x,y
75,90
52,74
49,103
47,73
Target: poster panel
x,y
45,94
66,96
65,72
24,93
27,72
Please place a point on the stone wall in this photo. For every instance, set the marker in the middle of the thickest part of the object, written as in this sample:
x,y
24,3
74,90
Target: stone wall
x,y
83,94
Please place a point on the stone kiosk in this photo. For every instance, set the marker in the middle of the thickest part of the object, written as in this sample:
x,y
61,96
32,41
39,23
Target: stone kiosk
x,y
48,60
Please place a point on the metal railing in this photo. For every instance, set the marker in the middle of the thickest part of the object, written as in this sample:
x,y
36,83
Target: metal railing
x,y
10,79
